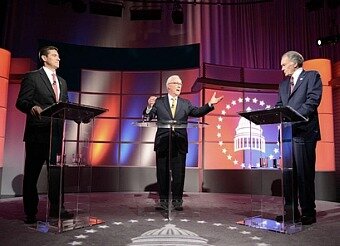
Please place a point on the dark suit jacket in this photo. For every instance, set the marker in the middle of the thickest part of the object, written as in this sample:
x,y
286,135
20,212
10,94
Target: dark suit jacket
x,y
305,98
36,89
184,109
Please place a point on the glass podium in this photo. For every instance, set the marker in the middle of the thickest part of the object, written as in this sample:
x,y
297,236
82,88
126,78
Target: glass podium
x,y
275,211
69,169
171,125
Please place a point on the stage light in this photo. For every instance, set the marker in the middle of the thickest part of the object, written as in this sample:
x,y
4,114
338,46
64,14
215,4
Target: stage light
x,y
329,40
107,8
145,13
177,14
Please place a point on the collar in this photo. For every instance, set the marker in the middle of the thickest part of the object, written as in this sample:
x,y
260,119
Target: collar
x,y
296,74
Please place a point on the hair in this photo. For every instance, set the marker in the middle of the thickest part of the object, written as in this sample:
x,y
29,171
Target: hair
x,y
295,57
171,78
45,50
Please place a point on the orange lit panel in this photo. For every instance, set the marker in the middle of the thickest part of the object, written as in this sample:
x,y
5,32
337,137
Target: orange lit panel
x,y
327,127
230,103
5,62
106,130
215,158
110,102
3,91
100,81
220,131
3,112
326,105
325,160
2,146
104,154
323,66
21,65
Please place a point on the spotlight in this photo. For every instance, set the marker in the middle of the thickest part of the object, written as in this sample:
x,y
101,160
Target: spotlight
x,y
177,14
107,8
145,13
328,40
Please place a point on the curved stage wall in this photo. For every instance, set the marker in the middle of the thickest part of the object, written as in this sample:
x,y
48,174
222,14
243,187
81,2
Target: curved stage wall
x,y
123,156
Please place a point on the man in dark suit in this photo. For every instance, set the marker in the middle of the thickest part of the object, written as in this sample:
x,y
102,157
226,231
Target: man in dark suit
x,y
40,89
302,91
167,108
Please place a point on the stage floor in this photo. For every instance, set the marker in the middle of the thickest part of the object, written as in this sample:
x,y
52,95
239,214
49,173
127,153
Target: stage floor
x,y
131,219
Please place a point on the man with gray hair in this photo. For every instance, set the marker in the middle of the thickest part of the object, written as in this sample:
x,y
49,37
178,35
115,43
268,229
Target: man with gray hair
x,y
167,108
302,91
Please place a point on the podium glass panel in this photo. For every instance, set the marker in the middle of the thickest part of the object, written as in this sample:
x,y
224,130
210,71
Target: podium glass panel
x,y
275,210
69,168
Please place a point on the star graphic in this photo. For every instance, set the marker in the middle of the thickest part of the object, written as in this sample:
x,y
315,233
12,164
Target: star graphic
x,y
217,224
220,119
220,143
91,231
248,109
224,112
276,151
75,243
201,222
255,238
229,157
133,221
247,99
262,103
228,106
235,162
103,226
268,106
240,99
233,102
219,135
245,232
271,157
243,165
117,223
232,227
224,151
255,100
219,127
81,236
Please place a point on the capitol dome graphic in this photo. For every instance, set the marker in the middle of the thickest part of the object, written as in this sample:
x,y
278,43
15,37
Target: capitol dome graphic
x,y
169,235
249,136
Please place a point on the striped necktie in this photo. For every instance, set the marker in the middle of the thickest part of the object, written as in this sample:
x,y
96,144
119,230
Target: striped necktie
x,y
55,87
173,106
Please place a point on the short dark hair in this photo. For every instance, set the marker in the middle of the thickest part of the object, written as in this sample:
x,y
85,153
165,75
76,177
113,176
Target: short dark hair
x,y
295,57
45,50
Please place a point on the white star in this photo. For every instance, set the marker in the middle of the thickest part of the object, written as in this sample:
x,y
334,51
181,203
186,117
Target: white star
x,y
150,219
255,238
228,106
235,162
271,157
217,224
103,226
240,99
224,151
219,135
262,103
117,223
276,151
245,232
224,112
220,143
255,100
81,236
232,227
185,220
233,102
133,221
220,119
229,157
219,127
268,106
90,231
75,243
201,222
243,165
247,99
248,109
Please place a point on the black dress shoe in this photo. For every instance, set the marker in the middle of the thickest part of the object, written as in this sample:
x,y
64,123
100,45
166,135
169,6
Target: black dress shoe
x,y
308,220
178,205
162,205
30,219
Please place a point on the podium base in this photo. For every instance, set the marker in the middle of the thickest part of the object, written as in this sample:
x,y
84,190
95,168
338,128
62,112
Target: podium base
x,y
271,225
59,226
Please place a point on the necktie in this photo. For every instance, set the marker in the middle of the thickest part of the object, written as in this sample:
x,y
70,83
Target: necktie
x,y
55,87
173,106
291,82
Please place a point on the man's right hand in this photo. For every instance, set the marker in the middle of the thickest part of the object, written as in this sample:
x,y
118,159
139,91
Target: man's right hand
x,y
151,101
35,111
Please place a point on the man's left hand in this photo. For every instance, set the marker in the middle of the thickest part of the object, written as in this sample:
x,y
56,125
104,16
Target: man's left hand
x,y
214,100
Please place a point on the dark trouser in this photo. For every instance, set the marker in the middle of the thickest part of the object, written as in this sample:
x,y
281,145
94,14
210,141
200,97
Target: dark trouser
x,y
299,186
36,155
178,173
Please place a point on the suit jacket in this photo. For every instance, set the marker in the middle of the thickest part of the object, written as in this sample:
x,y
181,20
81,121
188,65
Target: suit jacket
x,y
36,89
305,98
184,109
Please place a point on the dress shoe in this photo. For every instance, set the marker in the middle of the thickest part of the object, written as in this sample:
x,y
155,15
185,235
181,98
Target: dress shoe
x,y
178,204
162,205
30,219
308,220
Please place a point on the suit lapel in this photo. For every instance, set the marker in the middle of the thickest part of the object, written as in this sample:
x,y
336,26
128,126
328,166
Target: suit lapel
x,y
167,105
299,81
46,81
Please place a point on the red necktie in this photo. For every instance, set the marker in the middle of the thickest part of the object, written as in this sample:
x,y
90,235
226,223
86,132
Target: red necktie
x,y
55,87
291,84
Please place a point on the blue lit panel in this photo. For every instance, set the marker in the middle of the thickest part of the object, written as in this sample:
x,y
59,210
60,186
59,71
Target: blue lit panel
x,y
100,81
192,156
133,106
104,154
129,132
130,154
141,83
